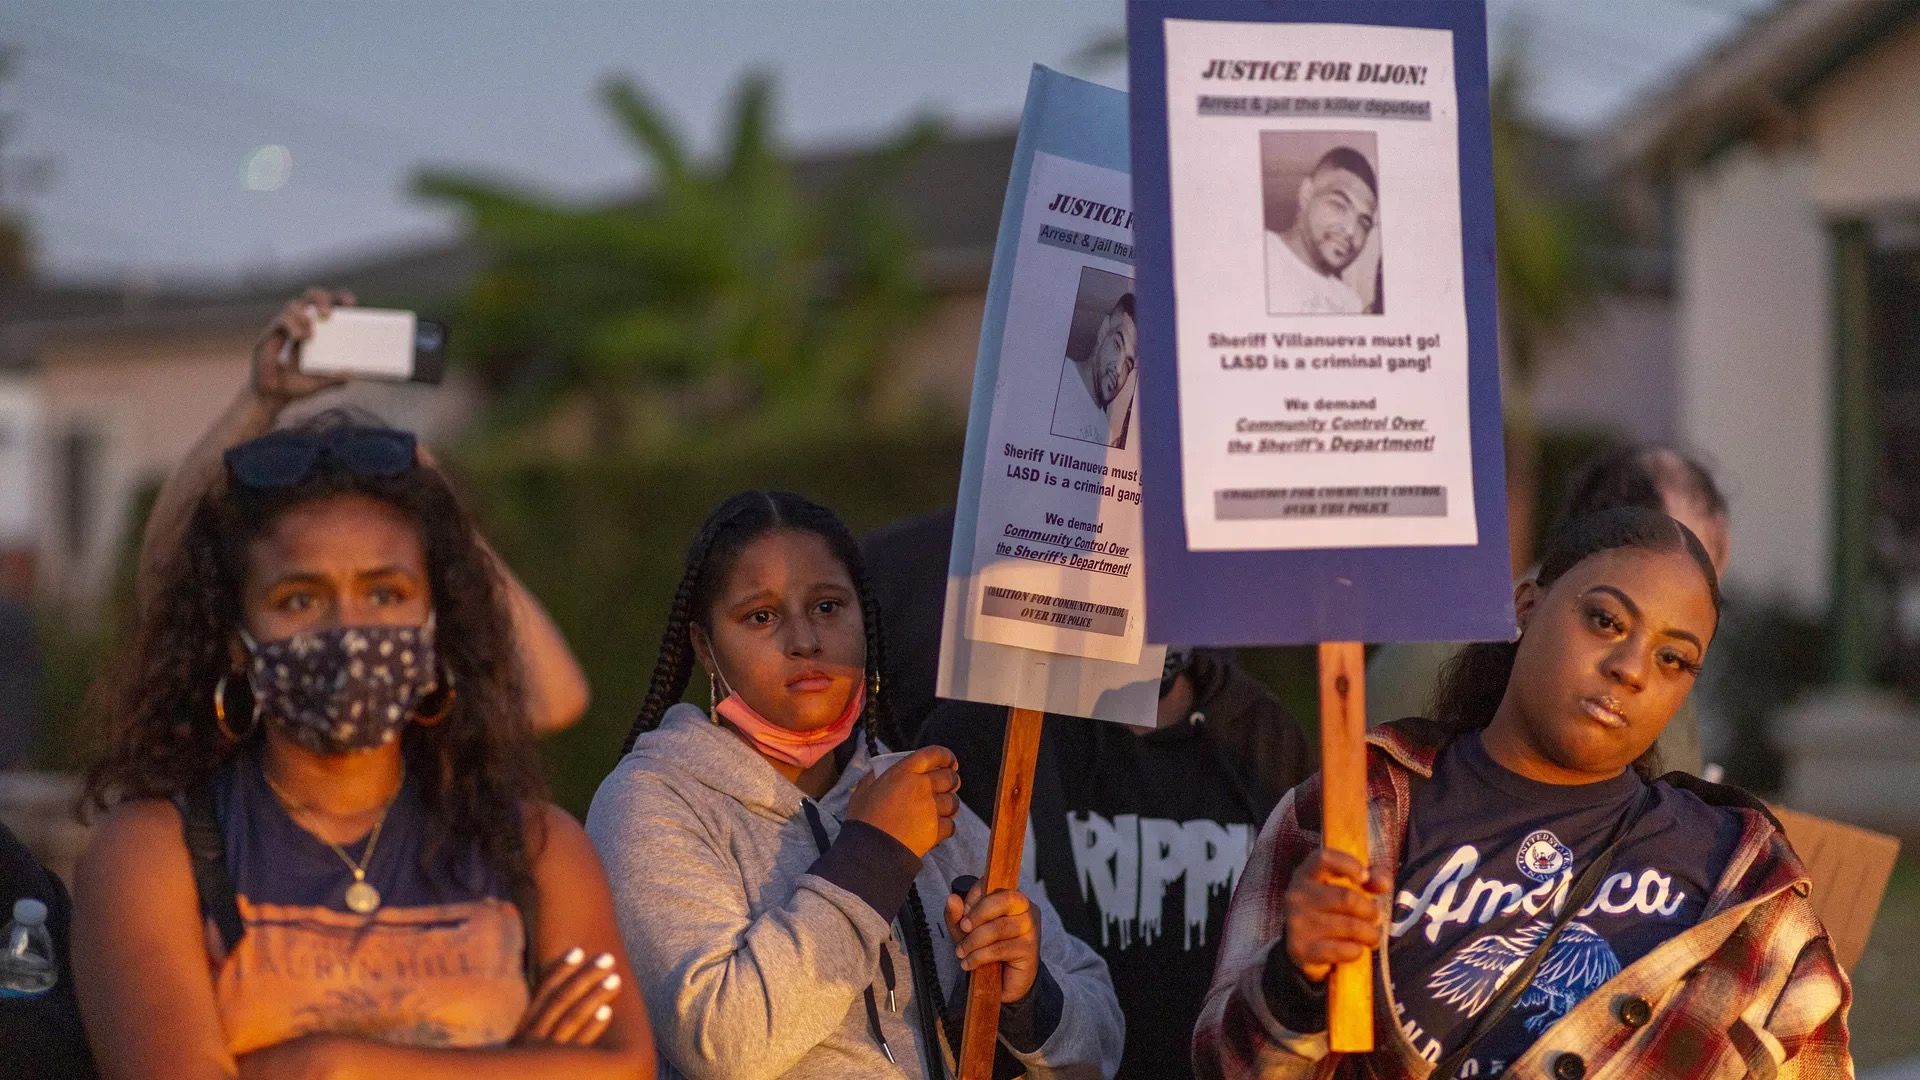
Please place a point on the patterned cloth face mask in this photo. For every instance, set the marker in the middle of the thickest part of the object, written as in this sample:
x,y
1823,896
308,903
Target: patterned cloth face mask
x,y
345,688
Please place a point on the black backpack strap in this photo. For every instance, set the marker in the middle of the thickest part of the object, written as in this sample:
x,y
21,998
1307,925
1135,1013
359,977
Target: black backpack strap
x,y
207,850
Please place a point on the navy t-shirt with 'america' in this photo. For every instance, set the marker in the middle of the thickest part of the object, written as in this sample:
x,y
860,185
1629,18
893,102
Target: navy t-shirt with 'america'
x,y
1488,855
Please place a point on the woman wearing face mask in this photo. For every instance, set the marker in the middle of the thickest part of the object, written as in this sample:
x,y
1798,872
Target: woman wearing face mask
x,y
328,853
1547,908
774,882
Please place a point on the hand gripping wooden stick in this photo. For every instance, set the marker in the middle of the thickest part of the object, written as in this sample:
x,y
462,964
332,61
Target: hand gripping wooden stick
x,y
1343,794
1017,757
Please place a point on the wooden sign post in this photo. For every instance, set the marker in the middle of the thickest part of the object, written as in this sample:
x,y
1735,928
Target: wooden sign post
x,y
1269,520
1045,600
1010,805
1343,810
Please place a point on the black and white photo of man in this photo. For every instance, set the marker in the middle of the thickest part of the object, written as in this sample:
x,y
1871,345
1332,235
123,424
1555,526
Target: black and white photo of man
x,y
1331,215
1097,380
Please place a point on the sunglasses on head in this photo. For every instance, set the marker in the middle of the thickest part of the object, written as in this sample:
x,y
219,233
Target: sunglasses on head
x,y
285,458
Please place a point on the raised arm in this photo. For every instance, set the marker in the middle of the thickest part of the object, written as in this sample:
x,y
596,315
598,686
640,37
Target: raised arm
x,y
273,383
555,685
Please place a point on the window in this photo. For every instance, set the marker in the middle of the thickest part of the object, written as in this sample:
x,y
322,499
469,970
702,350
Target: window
x,y
79,486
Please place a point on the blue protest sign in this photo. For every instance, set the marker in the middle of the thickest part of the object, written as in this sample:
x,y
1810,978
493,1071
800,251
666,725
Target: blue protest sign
x,y
1322,454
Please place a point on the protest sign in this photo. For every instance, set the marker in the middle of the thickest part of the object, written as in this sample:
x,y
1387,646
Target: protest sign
x,y
1315,269
1317,322
1045,593
1044,585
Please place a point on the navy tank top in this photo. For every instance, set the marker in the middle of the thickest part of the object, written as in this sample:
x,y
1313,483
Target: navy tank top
x,y
438,963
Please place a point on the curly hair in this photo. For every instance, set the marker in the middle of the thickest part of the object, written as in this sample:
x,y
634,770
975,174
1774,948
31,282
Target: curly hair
x,y
1473,683
476,769
732,526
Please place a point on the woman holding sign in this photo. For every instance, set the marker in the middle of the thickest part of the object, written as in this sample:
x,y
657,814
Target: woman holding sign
x,y
773,868
1548,909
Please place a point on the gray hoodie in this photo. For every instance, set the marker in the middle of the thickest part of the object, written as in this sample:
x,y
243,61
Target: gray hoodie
x,y
753,964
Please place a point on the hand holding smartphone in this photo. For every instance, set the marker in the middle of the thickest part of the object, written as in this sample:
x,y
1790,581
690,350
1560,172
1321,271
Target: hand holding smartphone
x,y
375,343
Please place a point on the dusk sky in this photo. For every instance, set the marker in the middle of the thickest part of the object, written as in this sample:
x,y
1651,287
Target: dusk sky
x,y
155,115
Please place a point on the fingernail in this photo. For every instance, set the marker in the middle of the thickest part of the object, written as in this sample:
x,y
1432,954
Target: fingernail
x,y
575,955
966,925
603,1013
611,982
603,961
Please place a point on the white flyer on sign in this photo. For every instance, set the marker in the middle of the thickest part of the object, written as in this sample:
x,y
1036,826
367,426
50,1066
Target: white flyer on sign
x,y
1315,192
1056,554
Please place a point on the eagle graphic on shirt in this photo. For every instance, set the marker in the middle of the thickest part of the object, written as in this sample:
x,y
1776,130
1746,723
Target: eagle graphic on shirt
x,y
1579,962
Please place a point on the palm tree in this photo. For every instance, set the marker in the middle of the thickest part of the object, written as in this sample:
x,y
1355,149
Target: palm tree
x,y
728,286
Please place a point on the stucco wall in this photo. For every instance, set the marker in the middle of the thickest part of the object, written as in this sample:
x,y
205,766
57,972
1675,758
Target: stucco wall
x,y
20,441
1865,128
146,402
1613,369
1754,384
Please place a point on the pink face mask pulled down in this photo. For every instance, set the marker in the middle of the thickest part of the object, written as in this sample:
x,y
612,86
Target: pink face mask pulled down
x,y
799,748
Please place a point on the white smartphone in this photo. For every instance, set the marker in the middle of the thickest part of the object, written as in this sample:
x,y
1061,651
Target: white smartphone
x,y
376,343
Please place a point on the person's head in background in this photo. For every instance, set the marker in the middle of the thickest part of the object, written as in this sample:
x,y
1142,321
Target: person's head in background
x,y
1659,478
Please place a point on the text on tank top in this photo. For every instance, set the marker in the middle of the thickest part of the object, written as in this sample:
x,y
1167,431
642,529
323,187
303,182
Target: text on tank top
x,y
438,964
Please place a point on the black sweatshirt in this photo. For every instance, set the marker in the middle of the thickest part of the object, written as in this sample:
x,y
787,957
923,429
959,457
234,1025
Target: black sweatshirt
x,y
1138,839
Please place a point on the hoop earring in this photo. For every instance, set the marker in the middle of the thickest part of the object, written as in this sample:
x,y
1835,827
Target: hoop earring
x,y
713,700
448,696
220,712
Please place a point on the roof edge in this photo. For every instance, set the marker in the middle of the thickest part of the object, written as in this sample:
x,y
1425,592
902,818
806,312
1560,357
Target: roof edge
x,y
1775,60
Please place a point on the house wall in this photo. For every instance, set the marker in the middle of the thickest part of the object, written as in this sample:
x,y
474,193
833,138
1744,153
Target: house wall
x,y
1864,125
1613,369
19,459
936,359
1755,336
121,410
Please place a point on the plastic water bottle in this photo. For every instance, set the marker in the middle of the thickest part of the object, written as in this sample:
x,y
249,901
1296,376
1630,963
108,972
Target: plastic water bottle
x,y
27,967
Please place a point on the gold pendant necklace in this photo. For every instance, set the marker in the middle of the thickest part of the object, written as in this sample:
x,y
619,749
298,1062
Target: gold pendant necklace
x,y
362,898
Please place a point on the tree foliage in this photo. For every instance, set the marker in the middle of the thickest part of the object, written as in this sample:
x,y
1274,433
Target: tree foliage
x,y
16,246
1539,235
730,285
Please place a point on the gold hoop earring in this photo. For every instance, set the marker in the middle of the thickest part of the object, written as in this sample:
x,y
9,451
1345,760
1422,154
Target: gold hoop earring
x,y
713,700
449,696
220,712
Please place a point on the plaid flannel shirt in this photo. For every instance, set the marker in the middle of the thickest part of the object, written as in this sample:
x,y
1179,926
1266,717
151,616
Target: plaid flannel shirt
x,y
1753,989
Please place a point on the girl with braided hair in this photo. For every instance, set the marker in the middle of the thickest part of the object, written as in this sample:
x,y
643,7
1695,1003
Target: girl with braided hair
x,y
773,865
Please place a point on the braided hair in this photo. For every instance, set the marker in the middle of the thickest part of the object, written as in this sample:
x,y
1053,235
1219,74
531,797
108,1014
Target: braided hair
x,y
733,525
